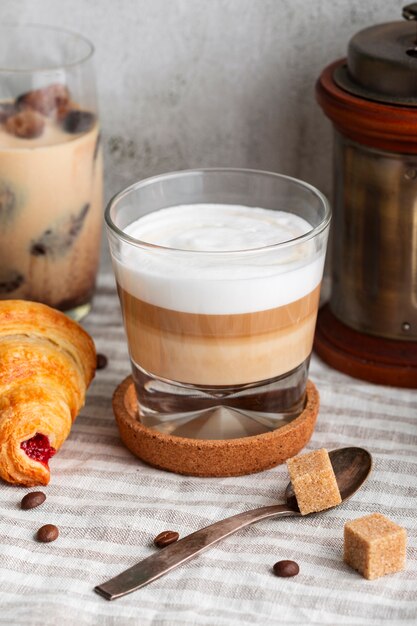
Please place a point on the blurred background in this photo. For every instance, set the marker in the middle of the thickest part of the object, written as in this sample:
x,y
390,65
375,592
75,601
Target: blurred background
x,y
198,83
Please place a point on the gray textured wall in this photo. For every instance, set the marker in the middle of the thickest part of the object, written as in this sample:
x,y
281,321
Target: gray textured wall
x,y
188,83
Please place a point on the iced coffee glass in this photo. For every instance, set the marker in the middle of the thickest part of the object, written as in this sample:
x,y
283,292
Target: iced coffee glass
x,y
218,273
50,168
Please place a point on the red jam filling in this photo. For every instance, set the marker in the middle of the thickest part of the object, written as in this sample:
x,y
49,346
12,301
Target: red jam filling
x,y
38,448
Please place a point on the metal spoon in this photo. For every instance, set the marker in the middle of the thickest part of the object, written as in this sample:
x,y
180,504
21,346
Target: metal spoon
x,y
352,467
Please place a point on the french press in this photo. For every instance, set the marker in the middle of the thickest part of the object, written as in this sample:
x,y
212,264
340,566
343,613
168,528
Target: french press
x,y
369,327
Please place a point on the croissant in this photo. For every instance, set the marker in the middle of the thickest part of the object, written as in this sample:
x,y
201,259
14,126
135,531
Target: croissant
x,y
47,362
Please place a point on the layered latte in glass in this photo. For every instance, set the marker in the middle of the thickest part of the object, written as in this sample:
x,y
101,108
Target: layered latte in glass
x,y
219,299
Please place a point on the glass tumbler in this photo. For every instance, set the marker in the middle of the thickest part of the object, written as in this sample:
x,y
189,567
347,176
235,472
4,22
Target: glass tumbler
x,y
219,336
50,168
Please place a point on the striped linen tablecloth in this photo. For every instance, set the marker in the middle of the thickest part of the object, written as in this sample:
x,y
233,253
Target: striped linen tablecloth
x,y
109,506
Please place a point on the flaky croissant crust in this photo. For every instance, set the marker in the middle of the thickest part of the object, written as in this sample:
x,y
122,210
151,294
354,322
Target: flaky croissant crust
x,y
47,362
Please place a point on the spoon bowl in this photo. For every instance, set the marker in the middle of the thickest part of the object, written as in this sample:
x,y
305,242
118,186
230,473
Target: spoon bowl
x,y
351,466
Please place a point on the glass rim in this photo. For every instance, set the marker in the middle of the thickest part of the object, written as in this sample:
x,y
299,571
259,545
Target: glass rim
x,y
55,29
311,234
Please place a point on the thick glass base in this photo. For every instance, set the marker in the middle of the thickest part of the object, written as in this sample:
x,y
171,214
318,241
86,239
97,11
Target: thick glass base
x,y
219,412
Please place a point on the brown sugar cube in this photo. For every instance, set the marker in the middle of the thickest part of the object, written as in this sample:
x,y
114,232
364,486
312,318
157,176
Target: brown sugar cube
x,y
313,481
374,546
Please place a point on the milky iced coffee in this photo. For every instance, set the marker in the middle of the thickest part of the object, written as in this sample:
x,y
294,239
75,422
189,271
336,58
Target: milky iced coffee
x,y
219,298
50,169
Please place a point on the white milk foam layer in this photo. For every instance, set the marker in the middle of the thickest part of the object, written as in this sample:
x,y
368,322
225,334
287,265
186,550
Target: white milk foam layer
x,y
254,280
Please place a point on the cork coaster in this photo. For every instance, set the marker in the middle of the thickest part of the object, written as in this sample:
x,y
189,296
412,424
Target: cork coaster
x,y
208,457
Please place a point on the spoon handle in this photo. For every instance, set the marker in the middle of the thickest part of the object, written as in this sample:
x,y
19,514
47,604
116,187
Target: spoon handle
x,y
177,553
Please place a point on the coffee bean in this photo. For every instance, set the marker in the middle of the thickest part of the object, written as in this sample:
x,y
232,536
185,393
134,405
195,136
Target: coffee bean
x,y
45,100
37,249
32,500
285,569
26,124
47,533
11,281
101,361
77,121
77,221
58,238
165,538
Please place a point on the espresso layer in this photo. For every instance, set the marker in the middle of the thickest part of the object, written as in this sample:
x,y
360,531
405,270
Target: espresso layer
x,y
141,313
219,349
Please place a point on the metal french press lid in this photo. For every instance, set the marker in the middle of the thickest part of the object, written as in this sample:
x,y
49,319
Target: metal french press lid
x,y
382,62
